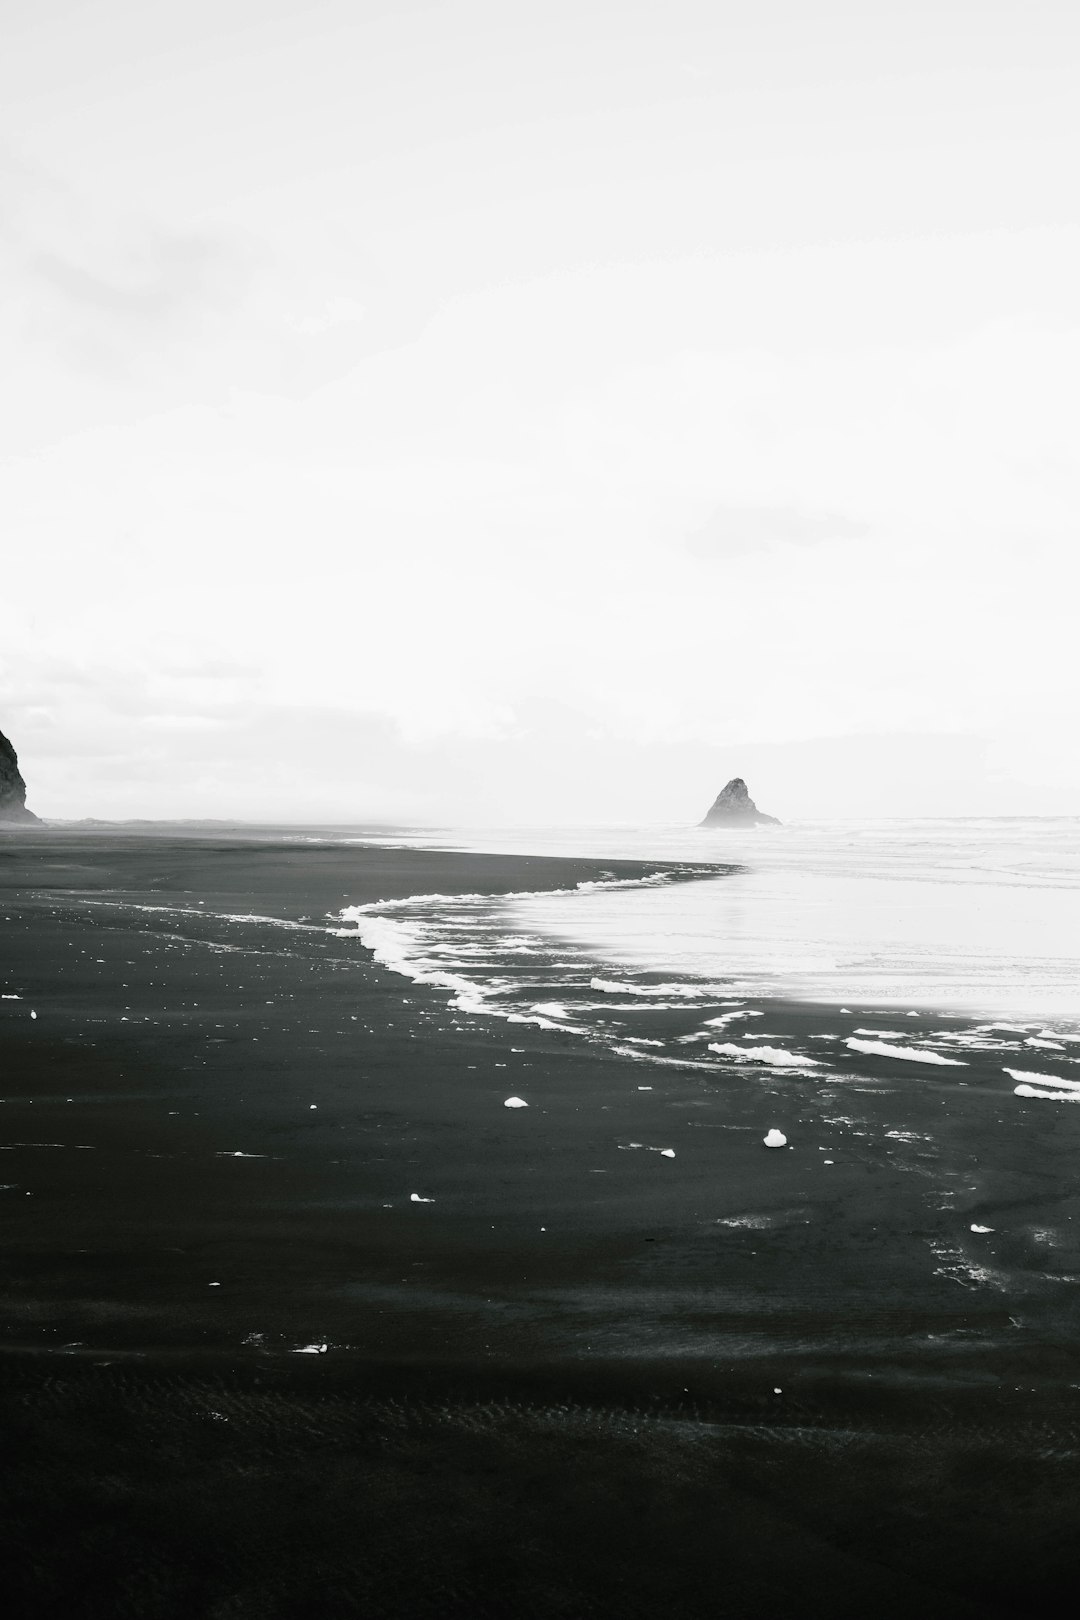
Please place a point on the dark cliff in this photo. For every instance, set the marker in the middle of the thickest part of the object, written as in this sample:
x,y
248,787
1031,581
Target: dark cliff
x,y
12,786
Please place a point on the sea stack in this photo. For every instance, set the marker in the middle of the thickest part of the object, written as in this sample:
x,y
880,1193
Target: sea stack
x,y
12,786
733,807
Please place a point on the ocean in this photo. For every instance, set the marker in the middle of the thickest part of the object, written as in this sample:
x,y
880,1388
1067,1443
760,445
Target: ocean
x,y
977,918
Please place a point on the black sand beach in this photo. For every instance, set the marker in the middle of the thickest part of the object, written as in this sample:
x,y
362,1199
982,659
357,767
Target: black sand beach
x,y
245,1373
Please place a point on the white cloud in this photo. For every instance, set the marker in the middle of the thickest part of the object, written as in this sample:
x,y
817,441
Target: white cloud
x,y
334,312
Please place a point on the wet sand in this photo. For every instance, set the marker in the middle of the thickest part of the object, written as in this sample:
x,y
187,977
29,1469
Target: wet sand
x,y
583,1379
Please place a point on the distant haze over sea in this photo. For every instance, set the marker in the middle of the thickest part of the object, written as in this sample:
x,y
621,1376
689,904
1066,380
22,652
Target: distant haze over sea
x,y
547,772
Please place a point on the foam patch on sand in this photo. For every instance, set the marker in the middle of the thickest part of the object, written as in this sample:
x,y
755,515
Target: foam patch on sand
x,y
1042,1079
954,1264
721,1022
911,1054
774,1056
1048,1087
974,1041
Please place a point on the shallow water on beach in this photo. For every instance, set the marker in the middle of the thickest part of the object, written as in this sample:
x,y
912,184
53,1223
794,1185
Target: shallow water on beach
x,y
542,960
977,916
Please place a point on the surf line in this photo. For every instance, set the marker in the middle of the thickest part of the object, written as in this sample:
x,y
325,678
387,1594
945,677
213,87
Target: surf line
x,y
465,944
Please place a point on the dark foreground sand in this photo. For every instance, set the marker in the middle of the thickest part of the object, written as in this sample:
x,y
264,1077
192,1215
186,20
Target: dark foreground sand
x,y
581,1381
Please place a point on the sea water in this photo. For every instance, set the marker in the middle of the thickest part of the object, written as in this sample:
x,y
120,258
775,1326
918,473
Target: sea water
x,y
976,915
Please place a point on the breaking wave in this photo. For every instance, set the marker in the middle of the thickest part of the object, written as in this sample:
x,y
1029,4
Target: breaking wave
x,y
465,943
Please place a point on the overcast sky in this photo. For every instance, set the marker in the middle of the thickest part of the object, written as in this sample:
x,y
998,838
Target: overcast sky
x,y
519,411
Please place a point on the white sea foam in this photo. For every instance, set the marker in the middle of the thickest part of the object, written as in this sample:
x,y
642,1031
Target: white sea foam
x,y
912,1054
1043,1079
423,902
406,948
1049,1087
713,1024
775,1056
631,1006
614,987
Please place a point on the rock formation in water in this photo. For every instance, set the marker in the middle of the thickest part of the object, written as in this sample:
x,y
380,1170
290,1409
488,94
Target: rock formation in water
x,y
733,807
12,786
